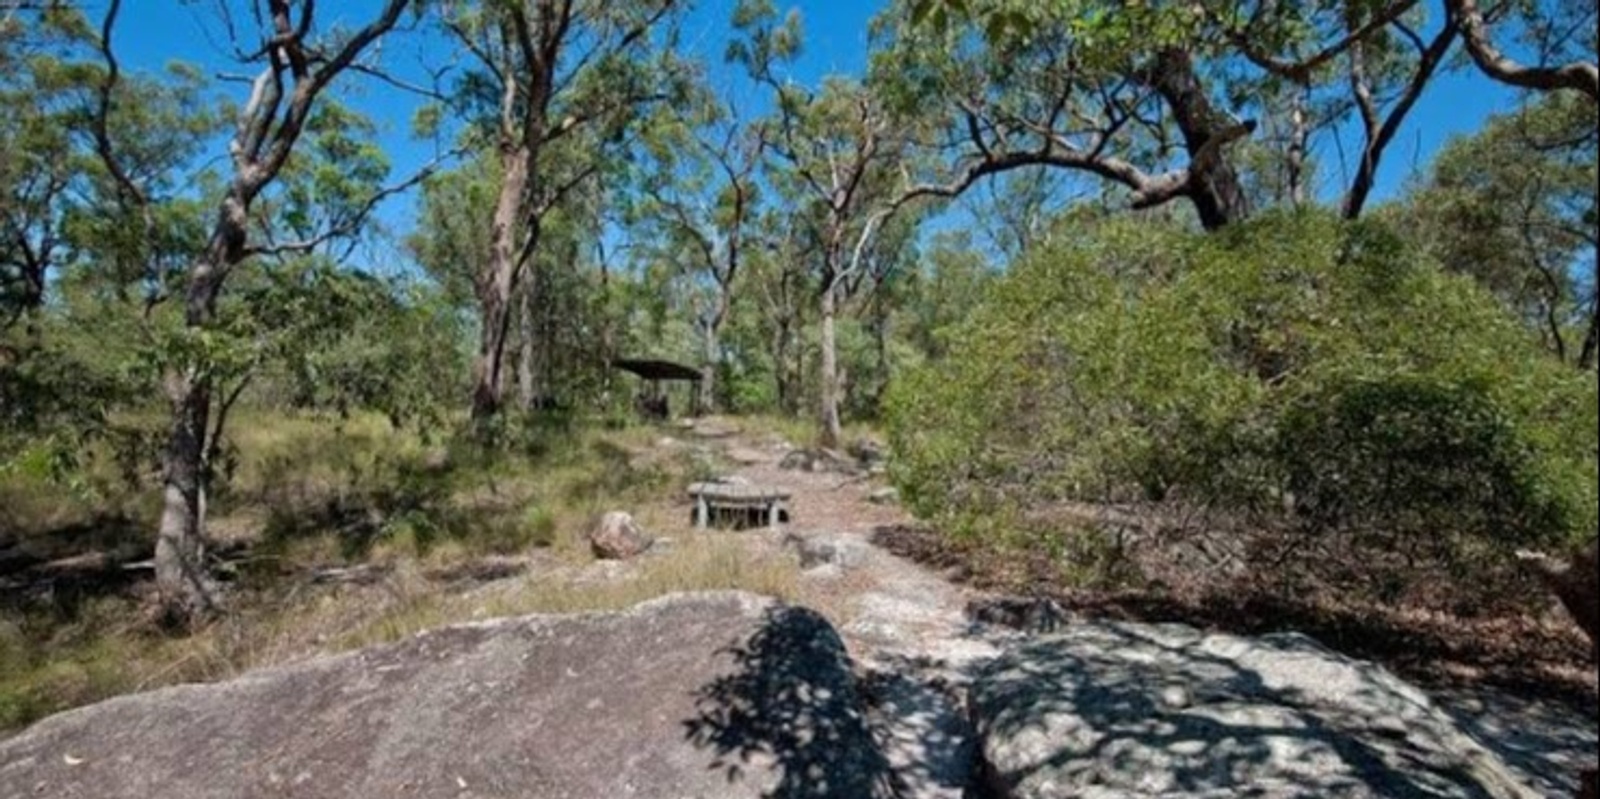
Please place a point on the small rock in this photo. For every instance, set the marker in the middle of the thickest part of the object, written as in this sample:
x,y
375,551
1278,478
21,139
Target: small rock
x,y
884,496
667,442
842,551
731,480
868,451
618,537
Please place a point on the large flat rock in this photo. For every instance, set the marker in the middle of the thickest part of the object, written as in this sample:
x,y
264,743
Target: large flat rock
x,y
699,695
1123,710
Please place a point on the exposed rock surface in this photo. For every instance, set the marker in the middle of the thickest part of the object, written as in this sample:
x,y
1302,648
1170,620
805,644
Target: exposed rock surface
x,y
844,551
1115,710
618,537
703,695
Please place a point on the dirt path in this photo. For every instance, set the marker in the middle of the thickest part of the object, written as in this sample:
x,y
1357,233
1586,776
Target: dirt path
x,y
906,626
911,631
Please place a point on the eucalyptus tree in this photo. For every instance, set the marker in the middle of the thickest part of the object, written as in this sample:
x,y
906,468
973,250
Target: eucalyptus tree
x,y
450,240
71,250
1515,206
779,283
547,73
39,159
839,149
701,201
58,205
296,62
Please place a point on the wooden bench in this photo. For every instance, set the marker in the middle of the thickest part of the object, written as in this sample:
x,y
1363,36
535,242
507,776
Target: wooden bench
x,y
769,505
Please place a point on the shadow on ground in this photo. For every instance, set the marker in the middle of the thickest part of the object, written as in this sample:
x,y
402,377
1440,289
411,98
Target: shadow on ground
x,y
1179,714
790,708
1521,655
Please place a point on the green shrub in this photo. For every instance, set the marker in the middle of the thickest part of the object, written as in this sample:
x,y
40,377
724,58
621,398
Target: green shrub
x,y
1295,373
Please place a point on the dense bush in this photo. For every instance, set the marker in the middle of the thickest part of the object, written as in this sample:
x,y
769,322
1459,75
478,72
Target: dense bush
x,y
1319,381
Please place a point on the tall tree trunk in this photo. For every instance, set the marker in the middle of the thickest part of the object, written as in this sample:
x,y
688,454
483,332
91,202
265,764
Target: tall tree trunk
x,y
182,580
830,428
32,304
881,334
780,367
1591,340
526,390
1299,144
712,356
497,282
1215,189
712,353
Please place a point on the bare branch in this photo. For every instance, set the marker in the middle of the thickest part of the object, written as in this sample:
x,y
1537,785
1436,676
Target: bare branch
x,y
354,222
1300,71
1579,76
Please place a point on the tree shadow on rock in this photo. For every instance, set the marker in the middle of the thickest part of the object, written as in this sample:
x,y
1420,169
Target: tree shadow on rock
x,y
788,716
1123,709
922,725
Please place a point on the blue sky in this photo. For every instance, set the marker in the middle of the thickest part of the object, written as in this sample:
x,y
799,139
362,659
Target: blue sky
x,y
154,32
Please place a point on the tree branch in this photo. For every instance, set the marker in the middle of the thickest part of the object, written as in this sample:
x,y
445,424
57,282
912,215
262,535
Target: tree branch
x,y
357,219
1578,76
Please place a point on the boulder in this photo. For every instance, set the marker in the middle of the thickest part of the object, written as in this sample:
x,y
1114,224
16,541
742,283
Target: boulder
x,y
618,537
721,696
816,550
1122,710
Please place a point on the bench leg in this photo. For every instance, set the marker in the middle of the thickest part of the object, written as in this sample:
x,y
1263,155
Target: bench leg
x,y
773,515
702,513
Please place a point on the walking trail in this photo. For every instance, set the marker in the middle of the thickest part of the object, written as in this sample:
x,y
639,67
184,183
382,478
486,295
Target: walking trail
x,y
910,630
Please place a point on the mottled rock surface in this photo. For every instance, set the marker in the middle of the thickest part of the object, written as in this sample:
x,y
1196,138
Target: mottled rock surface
x,y
1123,710
721,695
847,552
